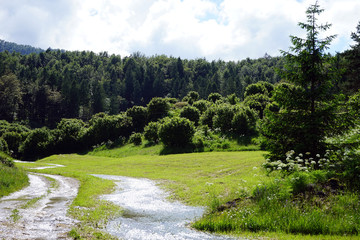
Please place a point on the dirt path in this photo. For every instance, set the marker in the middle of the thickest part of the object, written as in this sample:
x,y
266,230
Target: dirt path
x,y
148,215
39,210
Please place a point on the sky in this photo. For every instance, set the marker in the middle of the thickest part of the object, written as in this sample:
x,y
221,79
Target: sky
x,y
189,29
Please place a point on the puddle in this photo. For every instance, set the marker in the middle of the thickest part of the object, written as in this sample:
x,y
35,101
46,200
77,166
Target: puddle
x,y
148,215
46,217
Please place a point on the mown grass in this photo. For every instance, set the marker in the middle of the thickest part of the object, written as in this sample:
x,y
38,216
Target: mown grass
x,y
11,178
190,177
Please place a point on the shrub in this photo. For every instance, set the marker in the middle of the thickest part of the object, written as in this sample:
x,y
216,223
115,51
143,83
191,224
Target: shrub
x,y
13,139
201,105
104,127
136,139
255,88
3,145
240,123
158,108
69,133
6,160
223,118
151,132
37,144
139,116
176,132
232,99
257,102
207,117
213,97
191,113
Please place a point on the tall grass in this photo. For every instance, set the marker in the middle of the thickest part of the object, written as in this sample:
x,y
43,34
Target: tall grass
x,y
11,179
271,209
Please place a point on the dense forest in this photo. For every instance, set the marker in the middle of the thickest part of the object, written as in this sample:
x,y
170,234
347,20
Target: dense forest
x,y
44,86
51,85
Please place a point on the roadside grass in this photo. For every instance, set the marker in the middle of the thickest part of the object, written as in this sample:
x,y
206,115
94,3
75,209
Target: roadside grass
x,y
11,179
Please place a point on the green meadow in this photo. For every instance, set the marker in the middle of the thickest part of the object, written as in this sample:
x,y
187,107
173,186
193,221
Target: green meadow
x,y
201,179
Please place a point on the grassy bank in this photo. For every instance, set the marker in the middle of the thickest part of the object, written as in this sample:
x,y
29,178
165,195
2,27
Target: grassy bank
x,y
11,178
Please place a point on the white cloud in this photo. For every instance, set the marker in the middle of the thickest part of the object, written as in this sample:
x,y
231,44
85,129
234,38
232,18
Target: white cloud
x,y
228,29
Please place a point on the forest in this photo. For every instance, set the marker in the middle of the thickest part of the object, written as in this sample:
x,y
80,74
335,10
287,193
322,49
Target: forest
x,y
301,108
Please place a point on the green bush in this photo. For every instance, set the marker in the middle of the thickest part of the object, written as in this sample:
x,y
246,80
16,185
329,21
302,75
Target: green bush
x,y
5,160
201,105
3,145
207,117
191,113
151,132
104,127
13,139
223,118
213,97
37,144
255,88
136,139
68,134
176,132
139,116
158,108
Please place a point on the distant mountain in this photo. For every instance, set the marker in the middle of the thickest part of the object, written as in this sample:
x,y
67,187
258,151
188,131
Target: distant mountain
x,y
22,49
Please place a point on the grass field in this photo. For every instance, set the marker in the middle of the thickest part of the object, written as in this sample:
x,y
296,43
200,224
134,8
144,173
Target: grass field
x,y
204,179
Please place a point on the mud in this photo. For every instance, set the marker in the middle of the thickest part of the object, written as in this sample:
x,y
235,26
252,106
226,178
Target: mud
x,y
39,210
148,215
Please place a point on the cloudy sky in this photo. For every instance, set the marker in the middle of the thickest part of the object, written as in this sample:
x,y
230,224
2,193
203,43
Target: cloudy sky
x,y
211,29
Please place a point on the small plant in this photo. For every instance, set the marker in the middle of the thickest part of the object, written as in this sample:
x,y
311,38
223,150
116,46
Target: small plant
x,y
15,215
136,139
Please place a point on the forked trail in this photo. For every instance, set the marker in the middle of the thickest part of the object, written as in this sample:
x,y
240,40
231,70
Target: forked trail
x,y
39,210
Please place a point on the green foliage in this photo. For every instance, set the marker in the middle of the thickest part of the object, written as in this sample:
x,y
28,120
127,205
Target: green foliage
x,y
3,145
213,97
191,97
13,140
255,88
223,117
307,110
139,116
208,116
191,113
242,125
151,132
258,102
69,133
104,127
6,160
11,178
201,105
232,99
10,96
176,132
37,144
158,108
12,127
136,139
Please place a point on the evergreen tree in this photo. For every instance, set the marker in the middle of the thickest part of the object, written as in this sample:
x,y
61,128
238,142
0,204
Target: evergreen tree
x,y
307,113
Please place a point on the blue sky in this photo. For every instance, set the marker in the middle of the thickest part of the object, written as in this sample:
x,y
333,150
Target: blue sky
x,y
211,29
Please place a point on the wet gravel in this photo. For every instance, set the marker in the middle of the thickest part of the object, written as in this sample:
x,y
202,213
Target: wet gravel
x,y
39,210
148,215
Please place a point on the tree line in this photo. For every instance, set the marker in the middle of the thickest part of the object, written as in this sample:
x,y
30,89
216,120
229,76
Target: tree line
x,y
44,87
